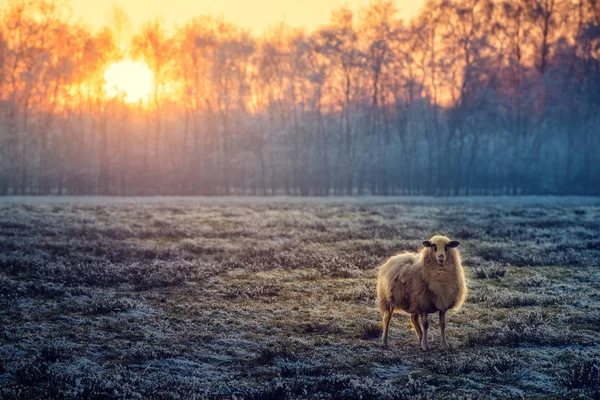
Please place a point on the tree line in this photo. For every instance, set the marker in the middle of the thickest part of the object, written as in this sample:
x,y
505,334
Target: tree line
x,y
470,97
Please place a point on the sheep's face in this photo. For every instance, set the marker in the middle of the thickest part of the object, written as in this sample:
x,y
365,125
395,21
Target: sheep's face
x,y
439,246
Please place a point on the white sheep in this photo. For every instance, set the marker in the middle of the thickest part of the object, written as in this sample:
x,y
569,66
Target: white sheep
x,y
422,283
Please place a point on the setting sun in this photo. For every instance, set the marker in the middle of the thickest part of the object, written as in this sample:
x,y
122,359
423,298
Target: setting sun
x,y
131,79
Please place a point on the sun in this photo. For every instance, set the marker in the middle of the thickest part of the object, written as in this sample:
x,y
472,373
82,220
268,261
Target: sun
x,y
130,79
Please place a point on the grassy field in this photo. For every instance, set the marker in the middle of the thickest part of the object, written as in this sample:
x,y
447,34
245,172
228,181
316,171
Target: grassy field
x,y
275,298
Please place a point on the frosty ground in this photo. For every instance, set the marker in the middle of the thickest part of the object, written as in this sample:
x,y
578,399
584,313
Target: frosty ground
x,y
265,298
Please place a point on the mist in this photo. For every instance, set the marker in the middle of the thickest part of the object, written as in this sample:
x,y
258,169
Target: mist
x,y
470,97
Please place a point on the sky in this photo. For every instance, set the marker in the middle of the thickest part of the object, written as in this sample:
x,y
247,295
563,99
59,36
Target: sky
x,y
258,15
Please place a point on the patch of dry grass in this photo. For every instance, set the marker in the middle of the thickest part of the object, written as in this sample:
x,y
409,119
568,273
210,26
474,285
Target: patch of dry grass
x,y
271,298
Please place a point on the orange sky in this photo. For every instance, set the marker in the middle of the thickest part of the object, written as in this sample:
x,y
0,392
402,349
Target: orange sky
x,y
256,14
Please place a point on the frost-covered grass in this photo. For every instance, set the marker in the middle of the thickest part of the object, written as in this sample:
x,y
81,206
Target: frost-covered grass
x,y
275,298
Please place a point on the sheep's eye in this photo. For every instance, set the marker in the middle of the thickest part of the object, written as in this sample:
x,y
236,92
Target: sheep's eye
x,y
434,247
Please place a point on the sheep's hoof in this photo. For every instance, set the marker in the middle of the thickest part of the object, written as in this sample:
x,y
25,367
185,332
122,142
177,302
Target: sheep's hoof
x,y
424,346
445,346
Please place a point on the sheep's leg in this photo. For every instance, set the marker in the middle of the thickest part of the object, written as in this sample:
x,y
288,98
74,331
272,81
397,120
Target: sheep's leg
x,y
385,309
387,316
443,329
424,344
414,320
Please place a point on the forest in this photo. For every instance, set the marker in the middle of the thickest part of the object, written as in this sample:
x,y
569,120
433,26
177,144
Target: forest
x,y
470,97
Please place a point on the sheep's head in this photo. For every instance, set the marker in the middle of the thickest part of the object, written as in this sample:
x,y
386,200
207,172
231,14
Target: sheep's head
x,y
439,247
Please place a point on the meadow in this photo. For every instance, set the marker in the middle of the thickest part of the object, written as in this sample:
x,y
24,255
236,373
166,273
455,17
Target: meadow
x,y
271,298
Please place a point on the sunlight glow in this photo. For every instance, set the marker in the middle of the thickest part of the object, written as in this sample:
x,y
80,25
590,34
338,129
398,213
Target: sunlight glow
x,y
130,79
257,15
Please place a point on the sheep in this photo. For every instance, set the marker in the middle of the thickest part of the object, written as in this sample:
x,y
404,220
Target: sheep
x,y
422,283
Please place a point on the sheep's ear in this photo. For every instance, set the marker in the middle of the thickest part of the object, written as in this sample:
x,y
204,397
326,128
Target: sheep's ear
x,y
426,243
454,243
